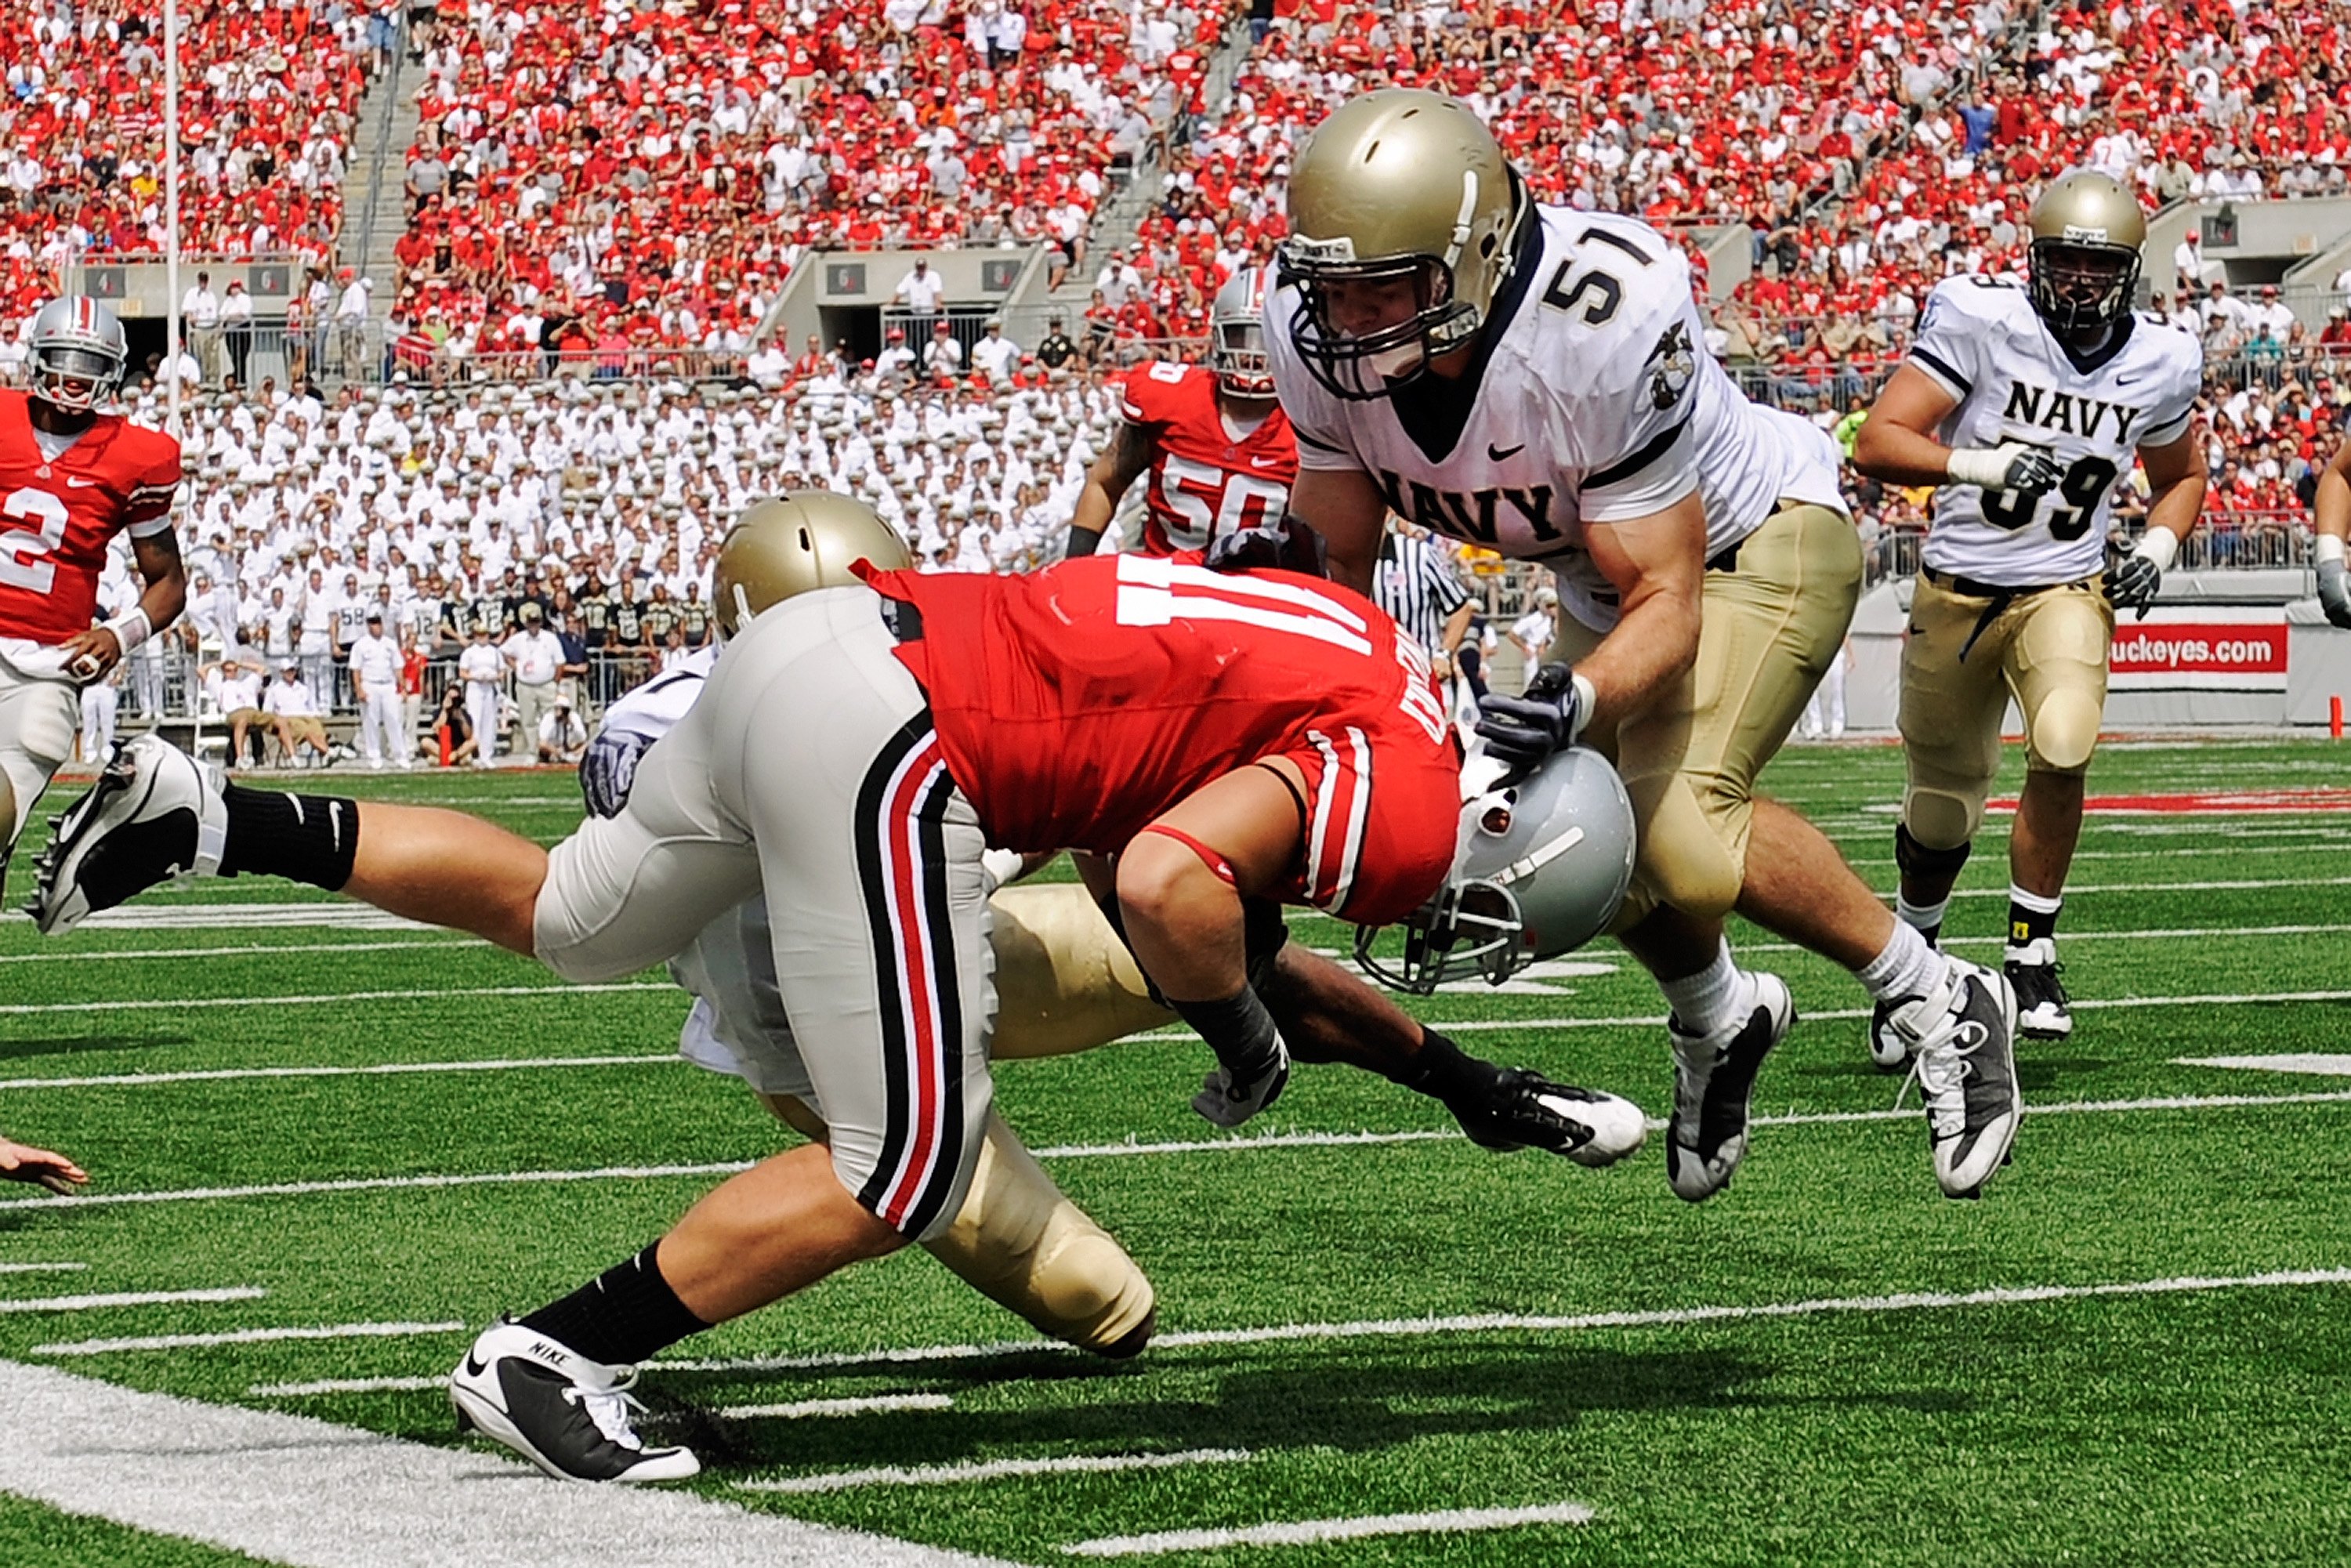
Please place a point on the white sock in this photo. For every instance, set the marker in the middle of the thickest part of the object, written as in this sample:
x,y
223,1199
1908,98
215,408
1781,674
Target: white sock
x,y
1907,967
1921,916
2034,902
1714,997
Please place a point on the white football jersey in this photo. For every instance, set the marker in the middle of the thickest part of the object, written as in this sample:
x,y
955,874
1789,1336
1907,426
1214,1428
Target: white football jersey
x,y
1982,342
1593,401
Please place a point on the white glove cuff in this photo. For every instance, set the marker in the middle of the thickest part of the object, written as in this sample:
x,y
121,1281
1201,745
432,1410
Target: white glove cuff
x,y
1984,466
2326,548
2159,546
1585,696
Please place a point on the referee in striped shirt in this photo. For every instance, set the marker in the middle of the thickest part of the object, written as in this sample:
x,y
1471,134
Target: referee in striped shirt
x,y
1415,585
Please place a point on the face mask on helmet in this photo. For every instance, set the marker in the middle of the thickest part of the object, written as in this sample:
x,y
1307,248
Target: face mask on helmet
x,y
74,379
1370,328
1542,865
1240,361
2078,286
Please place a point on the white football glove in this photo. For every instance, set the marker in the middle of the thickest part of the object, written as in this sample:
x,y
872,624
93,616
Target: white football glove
x,y
2334,582
2011,465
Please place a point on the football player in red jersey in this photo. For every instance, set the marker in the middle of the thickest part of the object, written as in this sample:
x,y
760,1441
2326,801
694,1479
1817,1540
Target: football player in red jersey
x,y
1218,448
1228,736
72,477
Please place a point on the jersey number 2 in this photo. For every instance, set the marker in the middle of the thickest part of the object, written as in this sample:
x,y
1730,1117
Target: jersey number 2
x,y
22,550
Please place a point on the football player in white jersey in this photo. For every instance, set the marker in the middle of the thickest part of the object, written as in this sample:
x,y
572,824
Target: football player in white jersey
x,y
2331,514
1533,380
2023,402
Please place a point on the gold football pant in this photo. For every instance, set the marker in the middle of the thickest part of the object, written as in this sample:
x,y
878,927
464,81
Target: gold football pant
x,y
1968,654
1771,624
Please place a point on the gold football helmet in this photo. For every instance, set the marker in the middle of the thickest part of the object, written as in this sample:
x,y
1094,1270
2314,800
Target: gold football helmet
x,y
791,543
1401,186
2087,232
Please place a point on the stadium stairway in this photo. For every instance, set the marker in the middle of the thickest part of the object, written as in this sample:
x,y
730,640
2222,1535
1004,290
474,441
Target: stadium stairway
x,y
387,118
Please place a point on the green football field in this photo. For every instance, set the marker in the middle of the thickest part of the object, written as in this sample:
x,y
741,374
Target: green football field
x,y
332,1147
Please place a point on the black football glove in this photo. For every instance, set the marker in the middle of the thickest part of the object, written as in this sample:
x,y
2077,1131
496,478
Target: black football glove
x,y
1284,544
2335,592
1252,1064
1524,731
1523,1111
2132,584
609,770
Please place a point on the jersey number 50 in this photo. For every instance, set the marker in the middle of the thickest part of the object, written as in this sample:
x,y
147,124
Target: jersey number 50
x,y
21,550
2085,483
1214,503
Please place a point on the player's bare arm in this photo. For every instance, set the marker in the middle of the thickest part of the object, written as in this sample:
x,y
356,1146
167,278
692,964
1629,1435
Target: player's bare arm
x,y
1346,508
2332,509
1658,565
2175,476
1897,442
92,655
1108,477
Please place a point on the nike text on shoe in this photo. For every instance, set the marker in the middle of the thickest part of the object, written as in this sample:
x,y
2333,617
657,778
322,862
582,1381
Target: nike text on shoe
x,y
155,813
1526,1110
570,1417
1964,1058
2043,1011
1713,1076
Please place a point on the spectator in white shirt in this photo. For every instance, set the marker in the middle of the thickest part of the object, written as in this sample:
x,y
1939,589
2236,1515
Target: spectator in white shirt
x,y
994,355
100,701
562,737
237,327
200,312
919,294
946,354
234,687
535,655
1533,631
375,686
293,714
482,669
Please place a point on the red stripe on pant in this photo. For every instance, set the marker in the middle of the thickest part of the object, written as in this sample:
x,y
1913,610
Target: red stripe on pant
x,y
926,1096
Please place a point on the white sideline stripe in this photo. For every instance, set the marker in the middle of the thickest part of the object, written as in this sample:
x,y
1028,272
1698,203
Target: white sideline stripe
x,y
244,950
242,1336
345,1385
1315,1532
174,1004
803,1409
2168,886
2296,1061
994,1469
387,1183
307,1492
2174,933
1841,1014
1491,1323
215,1074
41,1268
1126,1150
130,1299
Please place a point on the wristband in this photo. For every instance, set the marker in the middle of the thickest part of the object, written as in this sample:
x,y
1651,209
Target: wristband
x,y
2326,548
1585,696
2159,546
131,628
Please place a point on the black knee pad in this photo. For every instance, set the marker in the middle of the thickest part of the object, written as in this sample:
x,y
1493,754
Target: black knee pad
x,y
1915,859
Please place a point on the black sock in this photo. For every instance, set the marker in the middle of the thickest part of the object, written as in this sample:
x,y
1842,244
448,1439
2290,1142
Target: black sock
x,y
304,838
625,1315
2027,924
1443,1070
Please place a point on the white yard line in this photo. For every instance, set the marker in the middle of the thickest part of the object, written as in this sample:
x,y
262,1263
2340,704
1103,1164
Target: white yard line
x,y
806,1409
42,1268
2176,932
216,1074
326,998
2314,1062
291,1489
242,1336
242,950
1316,1532
994,1469
1838,1015
1243,1145
345,1385
130,1299
1513,1323
2169,886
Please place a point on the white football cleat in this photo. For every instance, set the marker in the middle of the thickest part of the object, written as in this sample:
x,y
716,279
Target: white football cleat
x,y
1963,1046
572,1417
155,813
1714,1076
2043,1010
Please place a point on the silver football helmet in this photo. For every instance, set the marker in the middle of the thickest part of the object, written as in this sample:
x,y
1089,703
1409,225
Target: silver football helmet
x,y
1543,864
1237,335
77,353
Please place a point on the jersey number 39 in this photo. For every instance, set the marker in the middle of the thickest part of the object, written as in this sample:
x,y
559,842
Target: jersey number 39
x,y
2085,484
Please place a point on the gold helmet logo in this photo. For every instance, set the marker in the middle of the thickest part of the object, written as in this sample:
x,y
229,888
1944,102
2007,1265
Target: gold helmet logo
x,y
1404,221
795,543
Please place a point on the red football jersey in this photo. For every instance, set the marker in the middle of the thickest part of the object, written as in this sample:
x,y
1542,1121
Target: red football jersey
x,y
1203,482
57,518
1077,704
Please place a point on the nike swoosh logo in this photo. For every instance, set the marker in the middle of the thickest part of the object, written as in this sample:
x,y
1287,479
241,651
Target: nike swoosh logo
x,y
74,481
1499,453
1264,462
473,1368
2124,380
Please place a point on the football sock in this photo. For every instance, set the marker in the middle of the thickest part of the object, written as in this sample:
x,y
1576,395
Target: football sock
x,y
1927,919
1444,1071
2030,916
625,1315
1714,999
305,838
1906,968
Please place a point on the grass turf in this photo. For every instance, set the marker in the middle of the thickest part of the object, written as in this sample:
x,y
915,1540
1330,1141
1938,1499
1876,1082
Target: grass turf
x,y
2192,1425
